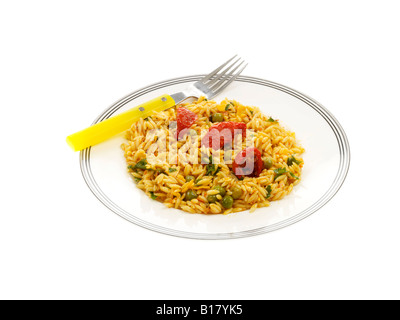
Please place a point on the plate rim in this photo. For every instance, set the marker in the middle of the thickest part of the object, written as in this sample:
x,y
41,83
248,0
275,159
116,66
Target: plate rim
x,y
341,137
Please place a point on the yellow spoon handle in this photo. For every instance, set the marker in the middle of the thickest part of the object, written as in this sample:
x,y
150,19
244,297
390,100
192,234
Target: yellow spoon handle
x,y
106,129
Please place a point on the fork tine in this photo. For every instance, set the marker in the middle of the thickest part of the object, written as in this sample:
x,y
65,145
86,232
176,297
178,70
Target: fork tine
x,y
233,78
221,75
213,73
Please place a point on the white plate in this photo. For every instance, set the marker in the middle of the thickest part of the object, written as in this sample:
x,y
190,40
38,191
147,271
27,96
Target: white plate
x,y
326,162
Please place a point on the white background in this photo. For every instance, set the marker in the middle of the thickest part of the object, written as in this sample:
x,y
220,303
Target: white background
x,y
63,62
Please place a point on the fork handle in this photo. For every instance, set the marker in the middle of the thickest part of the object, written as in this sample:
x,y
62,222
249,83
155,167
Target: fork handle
x,y
108,128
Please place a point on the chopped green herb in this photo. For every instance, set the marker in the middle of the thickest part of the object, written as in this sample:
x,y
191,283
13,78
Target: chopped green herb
x,y
131,167
279,172
137,179
152,195
292,159
251,111
227,107
160,171
210,159
142,164
148,118
269,190
205,99
294,176
218,169
197,181
211,168
272,120
172,169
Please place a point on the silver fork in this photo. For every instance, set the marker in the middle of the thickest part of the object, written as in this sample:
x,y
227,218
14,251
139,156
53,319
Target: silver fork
x,y
214,82
209,86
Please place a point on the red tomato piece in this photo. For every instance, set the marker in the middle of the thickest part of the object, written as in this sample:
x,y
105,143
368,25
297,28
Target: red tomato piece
x,y
184,119
223,133
248,163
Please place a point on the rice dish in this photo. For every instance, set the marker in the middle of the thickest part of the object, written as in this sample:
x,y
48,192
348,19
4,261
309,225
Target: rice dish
x,y
181,158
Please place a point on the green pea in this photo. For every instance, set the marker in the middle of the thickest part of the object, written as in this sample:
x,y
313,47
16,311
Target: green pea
x,y
212,198
217,117
227,202
189,178
268,162
237,192
221,190
190,195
